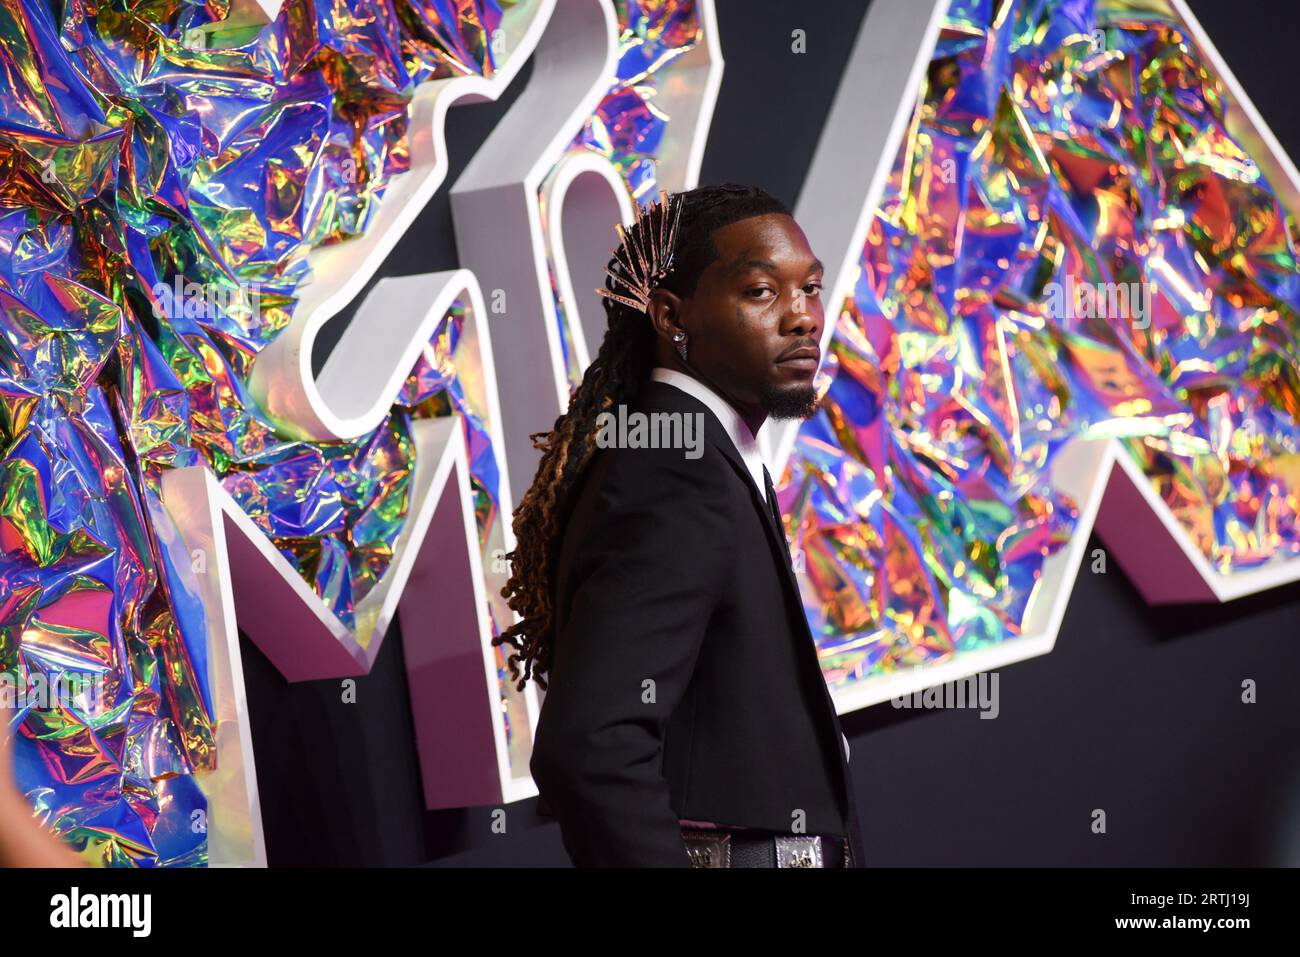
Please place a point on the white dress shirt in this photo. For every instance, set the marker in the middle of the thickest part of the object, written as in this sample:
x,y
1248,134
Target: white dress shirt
x,y
737,429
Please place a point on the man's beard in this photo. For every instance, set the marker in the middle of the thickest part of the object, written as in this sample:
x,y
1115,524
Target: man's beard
x,y
799,403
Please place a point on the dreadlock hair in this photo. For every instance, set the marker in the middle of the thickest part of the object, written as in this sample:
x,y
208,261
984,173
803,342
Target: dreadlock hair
x,y
615,376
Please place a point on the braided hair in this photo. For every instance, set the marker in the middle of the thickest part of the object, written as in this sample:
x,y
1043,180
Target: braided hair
x,y
614,377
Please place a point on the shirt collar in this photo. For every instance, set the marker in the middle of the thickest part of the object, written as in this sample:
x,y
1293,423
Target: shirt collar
x,y
732,422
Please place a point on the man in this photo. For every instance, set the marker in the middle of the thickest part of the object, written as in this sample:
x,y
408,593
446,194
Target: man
x,y
686,720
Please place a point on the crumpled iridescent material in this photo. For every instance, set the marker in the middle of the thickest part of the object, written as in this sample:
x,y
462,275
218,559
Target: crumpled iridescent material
x,y
147,147
628,125
168,167
1066,142
150,150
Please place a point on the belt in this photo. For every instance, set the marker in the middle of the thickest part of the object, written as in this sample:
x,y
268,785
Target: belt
x,y
759,848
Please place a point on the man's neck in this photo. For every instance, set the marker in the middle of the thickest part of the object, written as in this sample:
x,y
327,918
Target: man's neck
x,y
753,416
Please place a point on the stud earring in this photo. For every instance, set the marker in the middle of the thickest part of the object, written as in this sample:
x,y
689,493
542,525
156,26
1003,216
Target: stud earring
x,y
680,339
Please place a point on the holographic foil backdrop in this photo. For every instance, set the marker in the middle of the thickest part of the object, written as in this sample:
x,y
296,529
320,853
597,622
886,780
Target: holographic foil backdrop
x,y
166,168
1070,244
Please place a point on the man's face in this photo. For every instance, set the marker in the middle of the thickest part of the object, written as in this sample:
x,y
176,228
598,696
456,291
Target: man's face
x,y
754,322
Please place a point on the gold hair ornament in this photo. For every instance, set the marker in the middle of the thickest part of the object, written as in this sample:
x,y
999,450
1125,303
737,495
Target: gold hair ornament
x,y
645,252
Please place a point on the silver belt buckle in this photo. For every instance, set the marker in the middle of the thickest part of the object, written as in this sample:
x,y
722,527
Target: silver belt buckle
x,y
707,848
799,851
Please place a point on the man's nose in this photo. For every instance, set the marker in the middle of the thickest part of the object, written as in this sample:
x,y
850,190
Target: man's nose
x,y
805,318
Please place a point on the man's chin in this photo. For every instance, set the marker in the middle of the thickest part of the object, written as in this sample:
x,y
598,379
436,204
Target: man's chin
x,y
797,402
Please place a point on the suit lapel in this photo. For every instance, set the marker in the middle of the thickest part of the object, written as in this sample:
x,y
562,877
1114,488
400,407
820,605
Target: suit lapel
x,y
775,511
775,531
669,397
714,433
663,394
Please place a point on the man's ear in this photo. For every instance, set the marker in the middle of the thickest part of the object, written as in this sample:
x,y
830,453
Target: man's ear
x,y
665,310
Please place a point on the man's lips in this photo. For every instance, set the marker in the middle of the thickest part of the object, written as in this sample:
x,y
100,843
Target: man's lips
x,y
803,358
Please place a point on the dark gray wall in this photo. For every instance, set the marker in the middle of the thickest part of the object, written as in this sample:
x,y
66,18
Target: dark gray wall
x,y
1137,711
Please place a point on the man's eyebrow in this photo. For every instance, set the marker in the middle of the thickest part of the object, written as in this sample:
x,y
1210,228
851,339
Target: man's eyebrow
x,y
738,264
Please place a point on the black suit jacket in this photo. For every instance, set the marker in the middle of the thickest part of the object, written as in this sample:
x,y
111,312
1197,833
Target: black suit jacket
x,y
684,681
